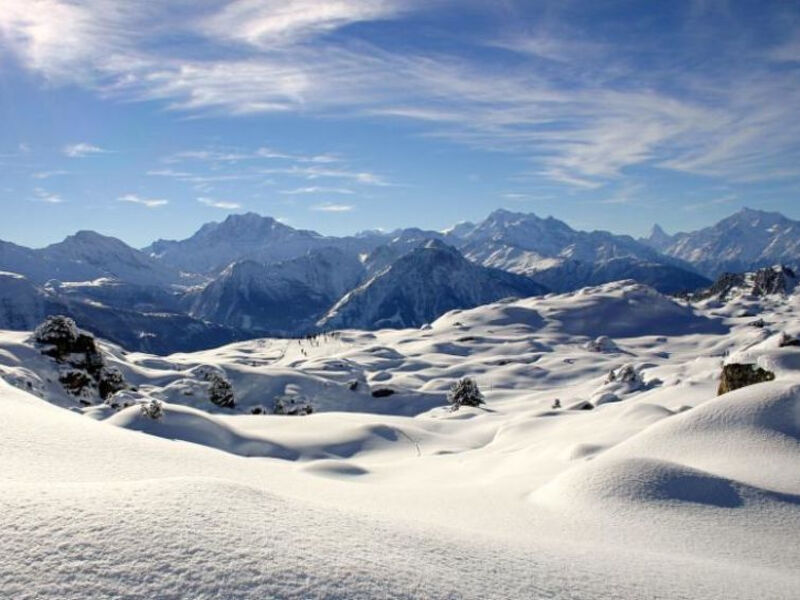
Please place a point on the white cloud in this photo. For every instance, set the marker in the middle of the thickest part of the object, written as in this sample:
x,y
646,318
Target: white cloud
x,y
330,207
82,149
316,190
49,174
147,202
168,173
49,197
582,124
219,203
268,23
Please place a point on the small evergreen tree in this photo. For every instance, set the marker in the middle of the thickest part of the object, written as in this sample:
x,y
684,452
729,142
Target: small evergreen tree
x,y
464,392
153,409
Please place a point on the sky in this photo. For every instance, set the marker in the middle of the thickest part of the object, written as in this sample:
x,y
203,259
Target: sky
x,y
145,119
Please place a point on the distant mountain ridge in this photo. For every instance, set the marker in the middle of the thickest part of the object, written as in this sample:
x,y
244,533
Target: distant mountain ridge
x,y
422,285
745,241
250,275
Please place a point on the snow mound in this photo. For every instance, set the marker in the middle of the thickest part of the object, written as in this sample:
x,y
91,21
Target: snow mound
x,y
190,425
741,448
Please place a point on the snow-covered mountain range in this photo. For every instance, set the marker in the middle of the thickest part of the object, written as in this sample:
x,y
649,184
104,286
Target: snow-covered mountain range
x,y
250,274
747,240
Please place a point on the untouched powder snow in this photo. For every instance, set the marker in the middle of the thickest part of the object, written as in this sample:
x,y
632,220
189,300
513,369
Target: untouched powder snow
x,y
661,490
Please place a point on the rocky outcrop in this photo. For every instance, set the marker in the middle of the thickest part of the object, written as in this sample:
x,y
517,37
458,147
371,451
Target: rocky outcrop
x,y
737,375
82,369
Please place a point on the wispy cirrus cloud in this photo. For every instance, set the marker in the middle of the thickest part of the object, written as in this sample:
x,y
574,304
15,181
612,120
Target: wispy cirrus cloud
x,y
49,174
82,149
146,202
42,195
581,111
219,203
317,189
269,23
332,207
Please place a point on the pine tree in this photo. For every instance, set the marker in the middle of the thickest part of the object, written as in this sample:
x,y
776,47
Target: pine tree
x,y
464,392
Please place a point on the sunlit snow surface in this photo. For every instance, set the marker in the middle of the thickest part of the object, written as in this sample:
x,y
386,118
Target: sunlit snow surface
x,y
662,491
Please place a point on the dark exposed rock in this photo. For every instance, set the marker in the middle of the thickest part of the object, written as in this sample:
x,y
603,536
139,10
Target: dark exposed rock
x,y
775,280
736,375
763,282
382,392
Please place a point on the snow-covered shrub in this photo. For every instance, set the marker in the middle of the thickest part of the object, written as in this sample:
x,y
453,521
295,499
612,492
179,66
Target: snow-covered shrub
x,y
154,409
295,406
602,343
110,381
58,331
625,374
220,390
125,398
76,382
464,392
787,340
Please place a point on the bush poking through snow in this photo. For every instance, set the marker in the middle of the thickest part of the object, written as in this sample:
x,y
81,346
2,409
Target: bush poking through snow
x,y
110,381
464,392
625,374
601,344
153,409
220,390
292,406
736,375
59,332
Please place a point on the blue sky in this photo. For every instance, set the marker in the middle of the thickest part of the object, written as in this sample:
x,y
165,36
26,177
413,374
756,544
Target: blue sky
x,y
146,119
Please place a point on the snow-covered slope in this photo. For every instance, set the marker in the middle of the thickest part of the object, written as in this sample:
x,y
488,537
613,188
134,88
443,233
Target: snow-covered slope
x,y
420,286
661,490
745,241
22,304
562,275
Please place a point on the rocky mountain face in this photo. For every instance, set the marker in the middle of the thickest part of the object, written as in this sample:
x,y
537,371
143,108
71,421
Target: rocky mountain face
x,y
762,282
23,305
745,241
422,285
285,298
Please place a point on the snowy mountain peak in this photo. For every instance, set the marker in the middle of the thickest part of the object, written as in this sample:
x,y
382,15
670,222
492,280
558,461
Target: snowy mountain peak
x,y
745,241
422,285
